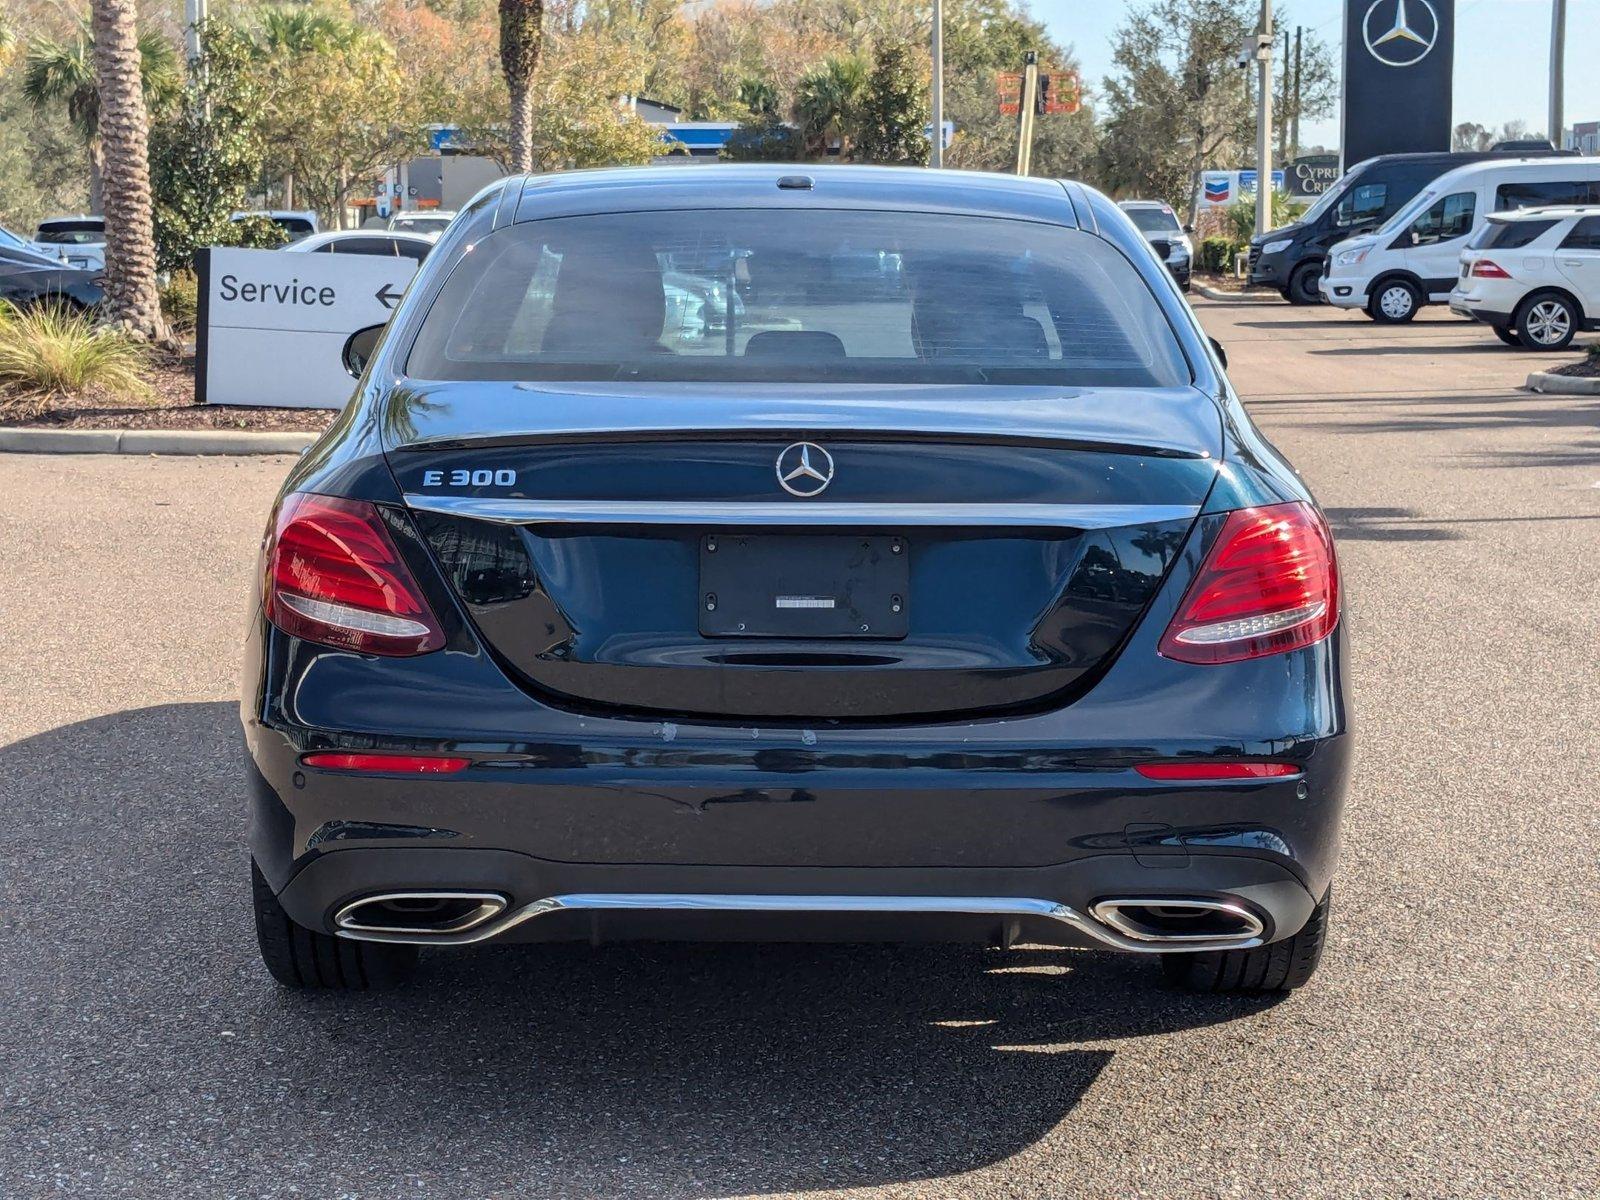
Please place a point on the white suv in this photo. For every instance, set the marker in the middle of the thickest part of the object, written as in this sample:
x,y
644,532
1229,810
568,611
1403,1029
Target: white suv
x,y
1534,275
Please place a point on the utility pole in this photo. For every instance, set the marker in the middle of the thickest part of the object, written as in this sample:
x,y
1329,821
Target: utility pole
x,y
1294,113
1030,97
1264,121
1558,70
1284,99
194,16
936,153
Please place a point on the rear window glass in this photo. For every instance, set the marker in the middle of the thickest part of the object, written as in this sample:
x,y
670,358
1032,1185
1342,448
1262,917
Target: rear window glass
x,y
1153,220
1546,192
1509,235
793,296
71,233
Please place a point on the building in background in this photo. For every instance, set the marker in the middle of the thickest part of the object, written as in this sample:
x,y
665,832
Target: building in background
x,y
1584,137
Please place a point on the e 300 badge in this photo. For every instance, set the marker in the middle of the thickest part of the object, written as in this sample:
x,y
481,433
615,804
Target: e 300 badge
x,y
469,477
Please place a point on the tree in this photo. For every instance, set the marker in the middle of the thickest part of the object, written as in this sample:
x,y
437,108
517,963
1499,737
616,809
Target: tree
x,y
521,38
892,114
207,155
827,103
335,110
61,73
1177,103
131,302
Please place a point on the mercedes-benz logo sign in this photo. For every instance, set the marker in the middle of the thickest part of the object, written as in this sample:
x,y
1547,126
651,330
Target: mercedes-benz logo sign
x,y
804,469
1398,37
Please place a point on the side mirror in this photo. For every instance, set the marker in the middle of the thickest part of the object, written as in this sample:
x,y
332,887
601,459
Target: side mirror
x,y
358,348
1222,355
1188,228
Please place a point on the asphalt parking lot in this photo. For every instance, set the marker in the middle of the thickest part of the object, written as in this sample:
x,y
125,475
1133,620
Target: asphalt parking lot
x,y
1446,1048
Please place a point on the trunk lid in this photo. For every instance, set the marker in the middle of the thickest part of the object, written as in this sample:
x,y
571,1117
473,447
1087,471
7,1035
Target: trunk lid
x,y
803,553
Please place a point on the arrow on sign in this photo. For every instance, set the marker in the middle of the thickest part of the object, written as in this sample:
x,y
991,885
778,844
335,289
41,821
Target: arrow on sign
x,y
387,296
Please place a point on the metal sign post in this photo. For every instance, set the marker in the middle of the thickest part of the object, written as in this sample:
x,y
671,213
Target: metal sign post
x,y
1030,98
936,151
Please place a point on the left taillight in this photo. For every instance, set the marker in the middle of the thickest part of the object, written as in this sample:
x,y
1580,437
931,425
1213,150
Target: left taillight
x,y
333,576
1269,584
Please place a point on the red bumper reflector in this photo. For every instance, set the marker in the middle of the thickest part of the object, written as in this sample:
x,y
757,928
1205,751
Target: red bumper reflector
x,y
389,764
1215,770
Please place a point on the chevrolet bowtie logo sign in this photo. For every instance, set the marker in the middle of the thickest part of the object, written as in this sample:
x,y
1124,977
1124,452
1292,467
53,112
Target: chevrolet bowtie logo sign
x,y
1400,33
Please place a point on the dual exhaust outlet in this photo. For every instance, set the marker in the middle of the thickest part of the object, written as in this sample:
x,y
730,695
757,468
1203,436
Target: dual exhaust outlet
x,y
1141,924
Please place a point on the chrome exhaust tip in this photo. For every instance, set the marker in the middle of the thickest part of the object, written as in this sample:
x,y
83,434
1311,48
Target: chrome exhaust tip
x,y
1173,920
419,914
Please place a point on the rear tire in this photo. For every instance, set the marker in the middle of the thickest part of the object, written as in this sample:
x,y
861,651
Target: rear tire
x,y
1546,321
1507,335
1302,287
303,958
1394,302
1278,967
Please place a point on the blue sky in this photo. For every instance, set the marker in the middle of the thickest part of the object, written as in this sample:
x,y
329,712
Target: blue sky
x,y
1502,54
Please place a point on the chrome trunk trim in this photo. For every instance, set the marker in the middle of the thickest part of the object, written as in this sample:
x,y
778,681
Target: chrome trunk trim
x,y
797,513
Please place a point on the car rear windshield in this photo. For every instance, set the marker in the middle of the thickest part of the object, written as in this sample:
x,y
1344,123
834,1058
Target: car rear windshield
x,y
797,296
1154,220
1509,235
71,233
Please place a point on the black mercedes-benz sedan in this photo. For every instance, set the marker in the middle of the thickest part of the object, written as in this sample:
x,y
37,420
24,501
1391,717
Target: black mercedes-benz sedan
x,y
938,586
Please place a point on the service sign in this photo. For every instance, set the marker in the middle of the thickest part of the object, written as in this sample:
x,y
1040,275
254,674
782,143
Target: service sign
x,y
273,324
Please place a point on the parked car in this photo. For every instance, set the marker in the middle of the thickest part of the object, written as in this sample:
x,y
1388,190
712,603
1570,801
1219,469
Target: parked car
x,y
29,277
1534,276
385,245
976,609
1412,259
1168,236
81,240
424,220
1291,259
295,225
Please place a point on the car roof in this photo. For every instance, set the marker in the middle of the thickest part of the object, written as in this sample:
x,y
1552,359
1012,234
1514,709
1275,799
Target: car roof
x,y
1143,204
791,185
313,240
83,218
1546,211
1512,166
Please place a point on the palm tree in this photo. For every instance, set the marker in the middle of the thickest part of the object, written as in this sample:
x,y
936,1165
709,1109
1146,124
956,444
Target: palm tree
x,y
63,73
123,125
521,38
828,103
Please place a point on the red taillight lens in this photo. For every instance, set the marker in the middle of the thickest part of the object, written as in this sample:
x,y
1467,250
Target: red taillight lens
x,y
393,764
1486,268
1187,771
334,577
1270,584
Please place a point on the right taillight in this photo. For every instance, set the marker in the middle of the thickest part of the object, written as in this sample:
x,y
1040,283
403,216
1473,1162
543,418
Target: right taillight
x,y
333,576
1269,584
1487,268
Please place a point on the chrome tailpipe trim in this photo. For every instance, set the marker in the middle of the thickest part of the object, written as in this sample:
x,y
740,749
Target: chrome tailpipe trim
x,y
1101,928
421,917
1181,921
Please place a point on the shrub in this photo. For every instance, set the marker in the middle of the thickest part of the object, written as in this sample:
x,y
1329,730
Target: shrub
x,y
1216,254
52,352
180,300
253,233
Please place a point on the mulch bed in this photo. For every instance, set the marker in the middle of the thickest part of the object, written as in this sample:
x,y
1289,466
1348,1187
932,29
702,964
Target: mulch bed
x,y
1587,367
171,406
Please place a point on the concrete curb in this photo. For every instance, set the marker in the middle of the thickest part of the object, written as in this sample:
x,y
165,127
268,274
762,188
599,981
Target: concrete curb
x,y
151,441
1211,293
1564,385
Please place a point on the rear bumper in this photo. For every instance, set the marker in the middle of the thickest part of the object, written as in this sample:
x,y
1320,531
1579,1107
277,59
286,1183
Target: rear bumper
x,y
1062,904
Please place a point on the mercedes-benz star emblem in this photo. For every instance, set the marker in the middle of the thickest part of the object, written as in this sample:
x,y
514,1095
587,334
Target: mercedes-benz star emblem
x,y
804,469
1406,40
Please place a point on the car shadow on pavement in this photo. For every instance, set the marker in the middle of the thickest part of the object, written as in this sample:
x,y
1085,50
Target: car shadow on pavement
x,y
145,1042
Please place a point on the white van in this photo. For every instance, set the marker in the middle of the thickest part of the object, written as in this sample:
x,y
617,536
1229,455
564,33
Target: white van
x,y
1413,257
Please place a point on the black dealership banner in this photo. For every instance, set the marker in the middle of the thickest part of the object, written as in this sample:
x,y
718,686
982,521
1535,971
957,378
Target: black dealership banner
x,y
1399,61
